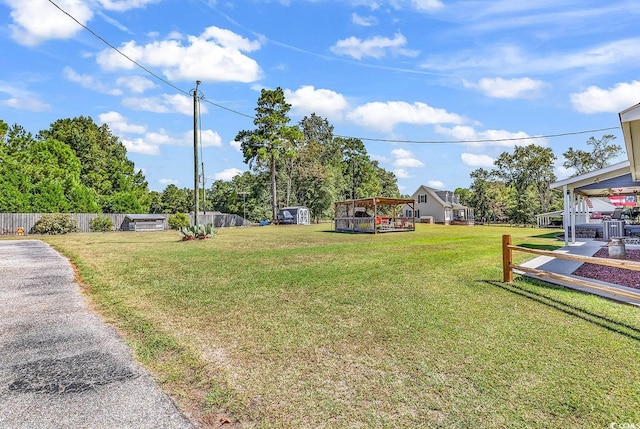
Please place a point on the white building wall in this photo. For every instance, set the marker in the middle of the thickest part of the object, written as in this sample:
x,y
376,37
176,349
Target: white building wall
x,y
432,207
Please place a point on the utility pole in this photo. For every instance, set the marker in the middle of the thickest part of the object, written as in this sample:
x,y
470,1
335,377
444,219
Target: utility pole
x,y
196,173
204,192
244,205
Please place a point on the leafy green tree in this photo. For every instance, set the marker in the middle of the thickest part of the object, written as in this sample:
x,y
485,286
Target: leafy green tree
x,y
229,197
271,139
318,169
17,140
15,187
176,200
54,168
482,196
122,202
465,196
358,170
604,150
48,197
4,127
154,201
529,170
387,180
103,159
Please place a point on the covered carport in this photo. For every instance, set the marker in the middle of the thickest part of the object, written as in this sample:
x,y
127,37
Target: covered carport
x,y
622,179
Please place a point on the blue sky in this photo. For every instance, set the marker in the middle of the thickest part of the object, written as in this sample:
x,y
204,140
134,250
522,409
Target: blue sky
x,y
402,73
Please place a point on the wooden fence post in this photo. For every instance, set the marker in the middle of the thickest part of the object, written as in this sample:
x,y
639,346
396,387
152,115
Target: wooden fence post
x,y
507,259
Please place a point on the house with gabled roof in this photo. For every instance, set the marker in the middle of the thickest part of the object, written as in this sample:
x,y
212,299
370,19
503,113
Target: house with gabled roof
x,y
440,207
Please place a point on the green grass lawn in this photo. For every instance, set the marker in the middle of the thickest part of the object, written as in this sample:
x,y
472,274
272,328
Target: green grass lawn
x,y
297,326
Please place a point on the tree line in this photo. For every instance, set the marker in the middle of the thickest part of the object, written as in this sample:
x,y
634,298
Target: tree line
x,y
79,166
518,187
74,166
290,165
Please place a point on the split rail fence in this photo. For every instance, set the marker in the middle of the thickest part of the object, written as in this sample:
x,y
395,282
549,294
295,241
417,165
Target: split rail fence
x,y
508,266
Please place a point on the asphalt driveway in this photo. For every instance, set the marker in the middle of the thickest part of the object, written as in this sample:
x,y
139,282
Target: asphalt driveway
x,y
60,365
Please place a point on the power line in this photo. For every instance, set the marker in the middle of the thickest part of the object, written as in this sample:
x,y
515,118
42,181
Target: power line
x,y
507,139
180,90
228,109
160,78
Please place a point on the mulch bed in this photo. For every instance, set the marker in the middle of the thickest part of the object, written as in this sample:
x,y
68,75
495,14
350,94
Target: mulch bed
x,y
619,276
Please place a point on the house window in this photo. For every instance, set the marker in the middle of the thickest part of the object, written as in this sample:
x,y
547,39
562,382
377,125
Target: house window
x,y
422,198
409,213
417,213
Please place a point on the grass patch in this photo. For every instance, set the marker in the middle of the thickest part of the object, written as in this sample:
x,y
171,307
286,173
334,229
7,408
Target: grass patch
x,y
300,327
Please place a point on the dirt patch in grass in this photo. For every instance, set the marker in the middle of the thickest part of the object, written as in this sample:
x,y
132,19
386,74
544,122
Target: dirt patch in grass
x,y
619,276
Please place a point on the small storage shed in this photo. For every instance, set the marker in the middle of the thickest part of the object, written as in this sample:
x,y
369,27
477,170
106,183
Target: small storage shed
x,y
298,215
143,222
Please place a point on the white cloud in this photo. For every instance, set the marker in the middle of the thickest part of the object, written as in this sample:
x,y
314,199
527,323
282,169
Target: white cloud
x,y
427,5
215,56
88,81
405,159
376,47
380,158
401,173
209,138
385,116
419,5
35,21
28,104
512,59
561,171
166,103
114,22
408,163
21,99
401,153
124,5
161,137
165,181
138,145
498,138
150,142
474,160
507,88
119,123
236,145
135,84
435,184
615,99
323,102
365,21
227,174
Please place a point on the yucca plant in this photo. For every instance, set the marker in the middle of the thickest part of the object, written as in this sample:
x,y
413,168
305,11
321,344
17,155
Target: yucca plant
x,y
200,232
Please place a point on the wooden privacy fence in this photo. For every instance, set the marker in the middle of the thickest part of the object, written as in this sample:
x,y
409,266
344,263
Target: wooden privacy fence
x,y
22,223
508,267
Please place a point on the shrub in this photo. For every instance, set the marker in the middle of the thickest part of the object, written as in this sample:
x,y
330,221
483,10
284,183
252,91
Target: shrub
x,y
178,221
101,224
200,232
56,223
